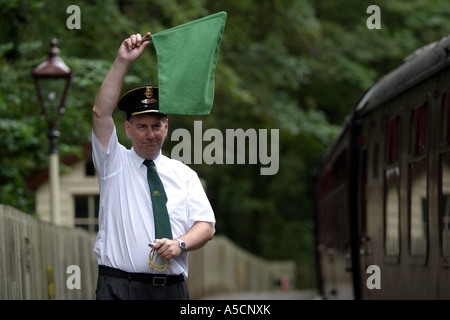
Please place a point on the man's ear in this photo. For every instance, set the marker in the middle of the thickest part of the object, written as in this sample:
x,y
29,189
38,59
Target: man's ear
x,y
128,128
166,126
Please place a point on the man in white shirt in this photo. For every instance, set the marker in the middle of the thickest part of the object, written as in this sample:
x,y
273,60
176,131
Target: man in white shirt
x,y
126,222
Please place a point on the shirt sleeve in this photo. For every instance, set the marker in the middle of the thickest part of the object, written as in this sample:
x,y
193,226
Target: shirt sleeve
x,y
104,158
198,203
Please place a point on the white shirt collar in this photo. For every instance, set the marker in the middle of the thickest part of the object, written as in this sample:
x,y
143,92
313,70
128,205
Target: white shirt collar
x,y
139,161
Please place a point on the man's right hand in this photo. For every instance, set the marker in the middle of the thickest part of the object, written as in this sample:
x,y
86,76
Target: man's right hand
x,y
132,48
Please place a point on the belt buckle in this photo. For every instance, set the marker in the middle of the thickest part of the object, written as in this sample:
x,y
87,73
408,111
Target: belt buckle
x,y
158,283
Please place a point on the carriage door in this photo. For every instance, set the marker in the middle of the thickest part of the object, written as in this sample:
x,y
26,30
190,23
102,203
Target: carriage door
x,y
367,192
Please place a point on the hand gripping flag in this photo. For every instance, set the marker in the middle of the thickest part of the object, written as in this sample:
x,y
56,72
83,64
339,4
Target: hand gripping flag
x,y
187,57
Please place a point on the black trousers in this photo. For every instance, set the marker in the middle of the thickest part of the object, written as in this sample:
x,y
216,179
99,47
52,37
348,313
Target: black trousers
x,y
114,284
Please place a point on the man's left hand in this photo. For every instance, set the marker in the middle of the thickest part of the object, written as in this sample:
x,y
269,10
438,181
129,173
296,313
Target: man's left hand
x,y
166,248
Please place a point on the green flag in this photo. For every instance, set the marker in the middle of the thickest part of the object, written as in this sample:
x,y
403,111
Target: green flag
x,y
187,56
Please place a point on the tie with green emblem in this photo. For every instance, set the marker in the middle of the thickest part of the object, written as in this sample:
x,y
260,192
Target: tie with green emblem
x,y
159,200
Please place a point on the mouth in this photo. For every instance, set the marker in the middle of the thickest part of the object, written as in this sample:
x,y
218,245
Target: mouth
x,y
150,143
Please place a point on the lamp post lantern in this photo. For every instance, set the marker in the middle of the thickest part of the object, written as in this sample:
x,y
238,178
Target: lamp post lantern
x,y
52,79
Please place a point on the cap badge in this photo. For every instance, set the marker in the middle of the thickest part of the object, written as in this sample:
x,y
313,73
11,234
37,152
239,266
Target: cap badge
x,y
148,92
149,101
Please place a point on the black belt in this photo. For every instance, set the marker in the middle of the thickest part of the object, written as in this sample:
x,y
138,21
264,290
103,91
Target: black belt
x,y
155,279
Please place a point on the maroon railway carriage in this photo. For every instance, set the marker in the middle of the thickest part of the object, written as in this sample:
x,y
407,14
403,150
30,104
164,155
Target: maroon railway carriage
x,y
383,188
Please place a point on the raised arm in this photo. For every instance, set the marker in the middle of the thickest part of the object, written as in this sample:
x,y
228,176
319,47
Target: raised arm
x,y
105,102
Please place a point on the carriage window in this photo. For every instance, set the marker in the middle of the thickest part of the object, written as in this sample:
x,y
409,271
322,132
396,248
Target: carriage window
x,y
417,186
445,205
418,130
391,189
418,208
392,240
392,137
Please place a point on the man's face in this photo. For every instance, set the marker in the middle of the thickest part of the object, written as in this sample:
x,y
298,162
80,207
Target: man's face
x,y
147,132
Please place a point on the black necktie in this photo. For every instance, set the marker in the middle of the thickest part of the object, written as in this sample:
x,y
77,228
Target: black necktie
x,y
159,200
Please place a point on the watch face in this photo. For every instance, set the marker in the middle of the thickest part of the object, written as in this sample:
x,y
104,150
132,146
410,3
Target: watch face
x,y
182,244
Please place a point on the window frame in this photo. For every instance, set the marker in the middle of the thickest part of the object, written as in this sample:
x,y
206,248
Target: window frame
x,y
392,139
418,163
91,220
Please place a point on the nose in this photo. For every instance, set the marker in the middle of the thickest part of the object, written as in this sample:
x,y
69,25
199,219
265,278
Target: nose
x,y
150,134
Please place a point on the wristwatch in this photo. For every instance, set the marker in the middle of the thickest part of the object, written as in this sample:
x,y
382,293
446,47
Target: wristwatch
x,y
182,245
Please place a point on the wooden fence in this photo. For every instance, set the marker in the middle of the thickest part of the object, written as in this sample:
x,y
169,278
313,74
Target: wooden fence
x,y
39,260
35,257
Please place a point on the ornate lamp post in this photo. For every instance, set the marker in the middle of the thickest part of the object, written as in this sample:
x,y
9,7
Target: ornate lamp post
x,y
52,79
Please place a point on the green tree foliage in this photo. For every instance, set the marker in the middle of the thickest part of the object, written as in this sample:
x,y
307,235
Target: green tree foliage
x,y
295,66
